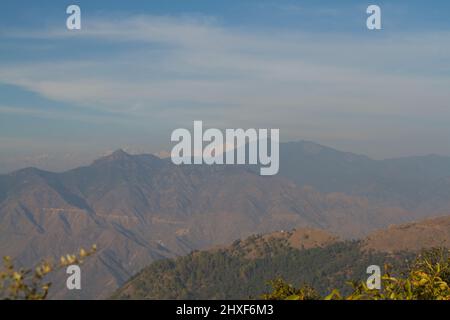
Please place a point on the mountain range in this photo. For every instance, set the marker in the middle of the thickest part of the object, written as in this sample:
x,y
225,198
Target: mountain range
x,y
141,208
419,184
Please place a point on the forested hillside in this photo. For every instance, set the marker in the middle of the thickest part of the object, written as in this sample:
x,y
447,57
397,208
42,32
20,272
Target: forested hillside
x,y
244,269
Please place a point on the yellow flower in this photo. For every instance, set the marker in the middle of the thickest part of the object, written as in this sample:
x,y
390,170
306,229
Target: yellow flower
x,y
443,286
46,268
17,276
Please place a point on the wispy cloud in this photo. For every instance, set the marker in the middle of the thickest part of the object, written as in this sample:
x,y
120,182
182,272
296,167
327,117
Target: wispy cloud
x,y
177,69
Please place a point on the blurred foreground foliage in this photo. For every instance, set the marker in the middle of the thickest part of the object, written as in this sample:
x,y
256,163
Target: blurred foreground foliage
x,y
31,284
428,278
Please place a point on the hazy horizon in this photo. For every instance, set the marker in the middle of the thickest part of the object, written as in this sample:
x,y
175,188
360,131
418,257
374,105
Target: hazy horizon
x,y
68,161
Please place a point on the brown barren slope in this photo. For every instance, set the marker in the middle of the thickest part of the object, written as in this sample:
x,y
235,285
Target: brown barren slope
x,y
411,236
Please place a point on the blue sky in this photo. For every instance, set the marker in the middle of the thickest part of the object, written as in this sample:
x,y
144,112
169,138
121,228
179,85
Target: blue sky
x,y
139,69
